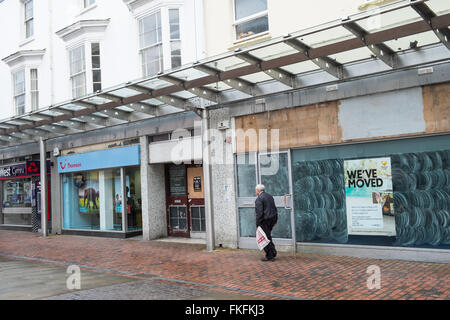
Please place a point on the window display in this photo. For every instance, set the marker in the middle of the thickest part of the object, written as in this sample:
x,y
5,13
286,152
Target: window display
x,y
17,193
92,200
373,193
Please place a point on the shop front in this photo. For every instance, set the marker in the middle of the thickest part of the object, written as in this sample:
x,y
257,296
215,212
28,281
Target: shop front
x,y
101,192
20,186
185,201
341,179
184,184
390,193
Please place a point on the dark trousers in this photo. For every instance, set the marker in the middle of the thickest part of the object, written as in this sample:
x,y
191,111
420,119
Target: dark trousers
x,y
267,226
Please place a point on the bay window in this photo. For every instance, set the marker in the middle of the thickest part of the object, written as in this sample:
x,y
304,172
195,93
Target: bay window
x,y
78,71
19,92
175,40
34,89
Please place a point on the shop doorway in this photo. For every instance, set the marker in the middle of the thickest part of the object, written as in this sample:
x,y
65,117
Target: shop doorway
x,y
274,170
185,201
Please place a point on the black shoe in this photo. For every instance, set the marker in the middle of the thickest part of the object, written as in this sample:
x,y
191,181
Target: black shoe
x,y
267,259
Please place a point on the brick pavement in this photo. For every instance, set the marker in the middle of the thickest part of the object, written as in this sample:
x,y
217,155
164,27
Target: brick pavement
x,y
305,276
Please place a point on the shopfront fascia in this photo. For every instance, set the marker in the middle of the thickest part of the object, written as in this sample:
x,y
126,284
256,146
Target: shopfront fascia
x,y
346,179
101,192
20,192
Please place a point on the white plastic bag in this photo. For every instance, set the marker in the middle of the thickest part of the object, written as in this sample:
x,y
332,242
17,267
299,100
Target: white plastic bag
x,y
261,238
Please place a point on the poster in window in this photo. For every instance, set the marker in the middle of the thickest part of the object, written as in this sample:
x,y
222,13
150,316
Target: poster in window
x,y
197,184
369,196
88,193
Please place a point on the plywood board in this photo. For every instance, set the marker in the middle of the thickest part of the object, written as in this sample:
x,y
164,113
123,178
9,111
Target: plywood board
x,y
195,183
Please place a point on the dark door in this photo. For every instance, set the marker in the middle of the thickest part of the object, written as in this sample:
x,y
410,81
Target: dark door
x,y
178,218
196,199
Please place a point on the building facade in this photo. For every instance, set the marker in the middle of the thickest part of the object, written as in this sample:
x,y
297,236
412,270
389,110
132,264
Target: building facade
x,y
342,115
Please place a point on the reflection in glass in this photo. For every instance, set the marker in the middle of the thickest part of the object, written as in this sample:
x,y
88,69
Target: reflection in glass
x,y
134,198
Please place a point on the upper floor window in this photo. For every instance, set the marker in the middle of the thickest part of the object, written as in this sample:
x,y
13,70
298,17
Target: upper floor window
x,y
19,92
29,18
96,70
175,39
85,73
150,39
88,3
250,18
77,71
34,89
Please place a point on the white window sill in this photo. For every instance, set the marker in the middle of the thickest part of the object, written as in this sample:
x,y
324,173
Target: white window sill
x,y
247,41
91,7
26,41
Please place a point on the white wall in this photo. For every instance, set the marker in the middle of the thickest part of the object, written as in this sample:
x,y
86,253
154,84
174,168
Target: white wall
x,y
288,16
120,59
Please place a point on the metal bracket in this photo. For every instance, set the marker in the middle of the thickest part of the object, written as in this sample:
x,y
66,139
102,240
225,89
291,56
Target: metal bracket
x,y
380,50
427,14
325,63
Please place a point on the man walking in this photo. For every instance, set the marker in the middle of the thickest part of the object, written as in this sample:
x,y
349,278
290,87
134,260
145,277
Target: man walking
x,y
266,218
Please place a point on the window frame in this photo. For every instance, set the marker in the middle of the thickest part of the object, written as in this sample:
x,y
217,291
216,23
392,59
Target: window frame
x,y
34,92
246,19
96,69
28,20
158,44
175,40
86,3
23,93
72,76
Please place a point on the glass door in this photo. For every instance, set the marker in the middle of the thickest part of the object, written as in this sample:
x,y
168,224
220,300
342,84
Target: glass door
x,y
274,170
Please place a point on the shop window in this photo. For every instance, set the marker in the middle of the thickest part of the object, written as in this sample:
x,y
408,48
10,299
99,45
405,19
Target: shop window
x,y
178,218
93,200
250,18
247,223
150,38
198,222
274,171
134,198
415,201
319,196
17,193
246,173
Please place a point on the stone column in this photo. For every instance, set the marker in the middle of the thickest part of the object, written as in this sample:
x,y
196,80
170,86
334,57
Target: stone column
x,y
55,191
223,182
106,205
153,188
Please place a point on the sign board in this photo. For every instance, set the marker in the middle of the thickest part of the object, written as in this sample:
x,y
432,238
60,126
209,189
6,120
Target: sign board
x,y
22,170
369,196
104,159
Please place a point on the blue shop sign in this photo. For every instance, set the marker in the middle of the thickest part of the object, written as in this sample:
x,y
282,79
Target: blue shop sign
x,y
104,159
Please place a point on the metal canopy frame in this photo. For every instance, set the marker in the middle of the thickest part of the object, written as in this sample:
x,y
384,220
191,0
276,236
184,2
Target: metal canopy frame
x,y
209,83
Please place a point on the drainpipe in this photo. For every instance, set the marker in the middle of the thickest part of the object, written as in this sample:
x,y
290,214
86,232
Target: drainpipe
x,y
44,203
209,219
50,44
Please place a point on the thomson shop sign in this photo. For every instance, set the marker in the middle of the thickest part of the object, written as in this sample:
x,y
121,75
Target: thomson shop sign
x,y
104,159
22,170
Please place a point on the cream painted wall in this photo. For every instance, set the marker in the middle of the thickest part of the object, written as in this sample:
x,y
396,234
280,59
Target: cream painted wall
x,y
285,16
